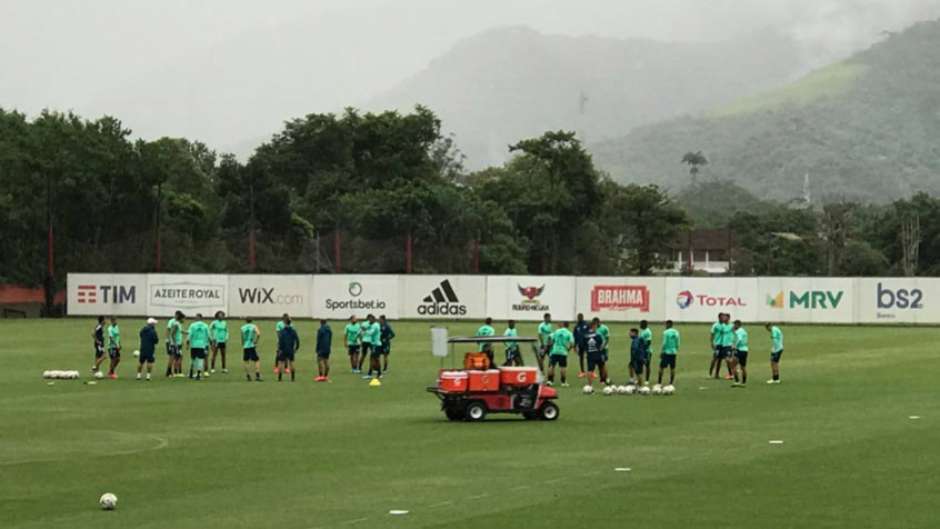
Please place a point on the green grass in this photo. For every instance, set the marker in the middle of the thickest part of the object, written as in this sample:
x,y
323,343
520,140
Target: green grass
x,y
826,82
229,454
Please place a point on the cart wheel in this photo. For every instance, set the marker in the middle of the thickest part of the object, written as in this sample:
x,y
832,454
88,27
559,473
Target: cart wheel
x,y
476,411
454,414
549,411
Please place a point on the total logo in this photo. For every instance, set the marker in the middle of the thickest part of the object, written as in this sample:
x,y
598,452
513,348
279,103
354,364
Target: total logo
x,y
355,291
442,301
530,301
111,294
686,299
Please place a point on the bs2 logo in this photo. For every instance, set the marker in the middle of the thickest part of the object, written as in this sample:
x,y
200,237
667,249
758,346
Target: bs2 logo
x,y
901,298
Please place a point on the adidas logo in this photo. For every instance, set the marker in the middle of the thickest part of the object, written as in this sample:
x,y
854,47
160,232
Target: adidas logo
x,y
442,301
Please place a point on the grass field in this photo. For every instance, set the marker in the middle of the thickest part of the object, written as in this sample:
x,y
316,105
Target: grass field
x,y
231,454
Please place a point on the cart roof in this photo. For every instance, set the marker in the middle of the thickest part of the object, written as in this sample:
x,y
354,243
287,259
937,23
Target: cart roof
x,y
492,339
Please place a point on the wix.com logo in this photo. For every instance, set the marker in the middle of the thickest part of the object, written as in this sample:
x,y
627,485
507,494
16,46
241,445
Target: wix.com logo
x,y
442,301
263,296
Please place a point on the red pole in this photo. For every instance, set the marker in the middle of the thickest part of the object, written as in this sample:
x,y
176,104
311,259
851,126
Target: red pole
x,y
408,253
251,250
338,251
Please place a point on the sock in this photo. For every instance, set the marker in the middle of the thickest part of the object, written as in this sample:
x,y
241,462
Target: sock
x,y
743,378
776,377
292,375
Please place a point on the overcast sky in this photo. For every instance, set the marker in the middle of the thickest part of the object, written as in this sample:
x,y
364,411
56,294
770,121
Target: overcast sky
x,y
115,56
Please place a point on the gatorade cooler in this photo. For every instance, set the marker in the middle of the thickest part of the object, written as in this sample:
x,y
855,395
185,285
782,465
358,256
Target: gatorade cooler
x,y
518,376
484,380
453,381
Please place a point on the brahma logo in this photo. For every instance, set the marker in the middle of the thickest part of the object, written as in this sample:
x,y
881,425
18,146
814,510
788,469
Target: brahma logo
x,y
530,303
684,299
187,295
113,294
620,298
442,301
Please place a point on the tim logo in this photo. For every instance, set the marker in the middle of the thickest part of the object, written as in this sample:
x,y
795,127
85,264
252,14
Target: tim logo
x,y
112,294
442,301
620,297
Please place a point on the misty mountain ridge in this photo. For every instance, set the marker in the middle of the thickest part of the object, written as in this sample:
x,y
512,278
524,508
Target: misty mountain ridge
x,y
865,129
509,83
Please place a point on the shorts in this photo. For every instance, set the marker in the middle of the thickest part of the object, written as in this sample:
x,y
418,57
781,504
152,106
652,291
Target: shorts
x,y
605,355
146,358
114,352
99,351
543,351
285,356
722,351
220,346
366,348
376,352
197,352
582,350
742,357
249,354
558,360
323,354
387,348
638,363
512,353
353,349
173,350
775,357
667,361
595,360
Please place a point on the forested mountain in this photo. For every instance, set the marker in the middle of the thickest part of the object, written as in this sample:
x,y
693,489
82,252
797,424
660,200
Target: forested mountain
x,y
863,129
514,82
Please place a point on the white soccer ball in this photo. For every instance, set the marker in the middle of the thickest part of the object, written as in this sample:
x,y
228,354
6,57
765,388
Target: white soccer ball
x,y
669,390
108,501
644,390
631,389
99,375
657,390
588,390
136,353
609,390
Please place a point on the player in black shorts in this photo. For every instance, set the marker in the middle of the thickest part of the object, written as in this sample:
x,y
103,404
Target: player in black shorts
x,y
637,356
98,336
594,353
287,345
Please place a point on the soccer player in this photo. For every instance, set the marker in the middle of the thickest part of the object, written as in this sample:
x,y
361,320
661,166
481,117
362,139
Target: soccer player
x,y
646,334
198,341
250,337
713,340
562,341
487,330
388,334
513,355
726,344
174,345
374,334
114,347
739,359
366,340
98,336
287,345
604,332
669,352
351,336
148,345
278,327
581,328
637,357
594,349
776,351
219,337
545,340
324,345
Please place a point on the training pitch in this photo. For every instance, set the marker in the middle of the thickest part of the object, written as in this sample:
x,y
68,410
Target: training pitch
x,y
858,415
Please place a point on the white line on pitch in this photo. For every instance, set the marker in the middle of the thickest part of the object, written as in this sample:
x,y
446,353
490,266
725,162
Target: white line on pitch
x,y
357,520
478,496
441,504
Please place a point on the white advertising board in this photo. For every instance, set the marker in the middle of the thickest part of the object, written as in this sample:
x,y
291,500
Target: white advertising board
x,y
106,294
621,298
700,299
443,297
898,300
191,293
270,296
338,297
527,298
807,300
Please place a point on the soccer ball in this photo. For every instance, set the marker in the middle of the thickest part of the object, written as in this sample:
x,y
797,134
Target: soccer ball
x,y
588,390
108,501
99,375
631,389
657,390
136,354
609,390
669,390
644,390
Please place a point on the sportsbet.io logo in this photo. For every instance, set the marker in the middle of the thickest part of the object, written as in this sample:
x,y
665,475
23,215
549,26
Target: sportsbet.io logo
x,y
355,291
442,301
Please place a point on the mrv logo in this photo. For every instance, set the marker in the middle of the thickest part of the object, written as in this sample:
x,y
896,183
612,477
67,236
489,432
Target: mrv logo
x,y
267,296
811,299
901,298
443,301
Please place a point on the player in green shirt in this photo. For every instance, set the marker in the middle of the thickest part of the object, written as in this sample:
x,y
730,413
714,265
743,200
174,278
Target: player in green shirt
x,y
513,355
545,340
776,351
713,339
198,343
114,347
174,345
726,343
218,335
487,330
669,352
562,341
604,332
373,337
250,335
278,327
646,337
740,349
351,335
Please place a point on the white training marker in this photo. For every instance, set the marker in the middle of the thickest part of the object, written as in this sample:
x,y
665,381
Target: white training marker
x,y
396,512
622,469
702,388
776,442
914,417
